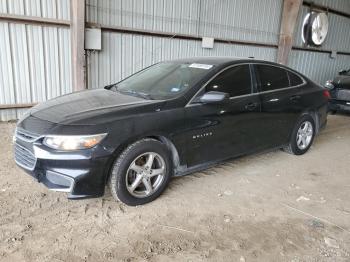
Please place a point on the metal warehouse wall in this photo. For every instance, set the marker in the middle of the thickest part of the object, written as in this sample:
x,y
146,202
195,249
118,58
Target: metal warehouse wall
x,y
59,9
243,20
35,60
216,18
320,66
123,54
340,5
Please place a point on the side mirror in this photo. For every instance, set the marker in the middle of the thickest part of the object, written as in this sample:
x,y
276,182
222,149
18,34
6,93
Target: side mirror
x,y
212,97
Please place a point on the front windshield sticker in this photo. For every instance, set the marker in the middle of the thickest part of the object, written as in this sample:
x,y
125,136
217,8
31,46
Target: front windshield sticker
x,y
175,89
201,66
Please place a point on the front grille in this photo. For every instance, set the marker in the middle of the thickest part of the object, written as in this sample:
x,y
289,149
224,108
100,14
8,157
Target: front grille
x,y
343,94
24,157
25,135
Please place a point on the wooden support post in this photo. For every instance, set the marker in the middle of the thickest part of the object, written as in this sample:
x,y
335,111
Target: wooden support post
x,y
77,44
289,17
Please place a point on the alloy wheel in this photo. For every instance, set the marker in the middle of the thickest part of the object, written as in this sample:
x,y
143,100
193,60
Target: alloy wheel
x,y
145,174
304,135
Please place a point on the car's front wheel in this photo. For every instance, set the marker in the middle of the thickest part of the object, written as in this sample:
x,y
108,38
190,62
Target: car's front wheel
x,y
302,136
141,173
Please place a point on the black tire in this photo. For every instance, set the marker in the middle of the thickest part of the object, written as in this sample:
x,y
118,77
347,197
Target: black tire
x,y
293,147
333,112
118,175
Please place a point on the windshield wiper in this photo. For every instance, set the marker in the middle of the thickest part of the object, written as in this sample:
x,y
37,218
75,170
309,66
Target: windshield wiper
x,y
134,93
109,87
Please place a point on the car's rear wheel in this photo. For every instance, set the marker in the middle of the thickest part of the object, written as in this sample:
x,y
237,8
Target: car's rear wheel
x,y
141,173
302,136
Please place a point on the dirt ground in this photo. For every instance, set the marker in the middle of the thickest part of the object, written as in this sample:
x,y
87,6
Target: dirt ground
x,y
267,207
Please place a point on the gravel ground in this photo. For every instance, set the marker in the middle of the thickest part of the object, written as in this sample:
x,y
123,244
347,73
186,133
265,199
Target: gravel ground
x,y
266,207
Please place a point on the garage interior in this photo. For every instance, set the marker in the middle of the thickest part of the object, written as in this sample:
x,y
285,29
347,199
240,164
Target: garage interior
x,y
266,207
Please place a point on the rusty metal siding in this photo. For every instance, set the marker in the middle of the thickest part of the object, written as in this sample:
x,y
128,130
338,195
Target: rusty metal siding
x,y
34,65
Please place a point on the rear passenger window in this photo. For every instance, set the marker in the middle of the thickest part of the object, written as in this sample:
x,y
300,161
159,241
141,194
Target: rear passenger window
x,y
294,79
235,81
272,77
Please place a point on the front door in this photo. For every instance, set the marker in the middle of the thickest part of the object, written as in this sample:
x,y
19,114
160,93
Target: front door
x,y
226,129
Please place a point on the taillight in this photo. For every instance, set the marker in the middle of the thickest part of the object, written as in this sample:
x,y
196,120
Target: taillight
x,y
326,94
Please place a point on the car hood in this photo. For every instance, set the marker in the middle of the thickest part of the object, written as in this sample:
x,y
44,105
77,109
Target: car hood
x,y
342,81
92,107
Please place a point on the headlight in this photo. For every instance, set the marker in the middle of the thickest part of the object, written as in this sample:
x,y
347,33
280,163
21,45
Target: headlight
x,y
70,143
329,85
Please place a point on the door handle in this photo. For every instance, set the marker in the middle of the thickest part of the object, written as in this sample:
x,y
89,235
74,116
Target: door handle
x,y
294,98
251,106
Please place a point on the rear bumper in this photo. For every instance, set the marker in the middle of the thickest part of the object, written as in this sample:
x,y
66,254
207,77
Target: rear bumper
x,y
80,174
338,105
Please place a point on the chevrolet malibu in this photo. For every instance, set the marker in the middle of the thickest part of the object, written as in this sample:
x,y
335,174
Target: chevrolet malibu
x,y
170,119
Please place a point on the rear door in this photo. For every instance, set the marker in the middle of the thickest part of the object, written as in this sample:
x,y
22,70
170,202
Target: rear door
x,y
227,129
281,96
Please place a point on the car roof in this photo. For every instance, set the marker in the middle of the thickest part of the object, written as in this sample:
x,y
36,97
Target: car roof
x,y
221,60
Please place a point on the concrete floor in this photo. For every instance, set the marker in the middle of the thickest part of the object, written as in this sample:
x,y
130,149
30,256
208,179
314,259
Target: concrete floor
x,y
267,207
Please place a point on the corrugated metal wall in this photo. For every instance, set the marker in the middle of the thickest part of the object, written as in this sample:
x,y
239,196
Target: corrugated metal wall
x,y
244,20
320,66
340,5
124,54
176,16
255,21
214,18
338,38
58,9
35,60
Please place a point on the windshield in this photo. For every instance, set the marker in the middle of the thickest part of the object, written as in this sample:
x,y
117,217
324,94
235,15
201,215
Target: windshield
x,y
163,80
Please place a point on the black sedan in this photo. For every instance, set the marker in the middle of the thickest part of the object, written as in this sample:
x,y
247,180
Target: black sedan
x,y
339,89
170,119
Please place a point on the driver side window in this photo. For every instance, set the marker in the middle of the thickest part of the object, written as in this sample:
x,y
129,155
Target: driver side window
x,y
235,81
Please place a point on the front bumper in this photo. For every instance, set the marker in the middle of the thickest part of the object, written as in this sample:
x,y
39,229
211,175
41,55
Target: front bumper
x,y
81,174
